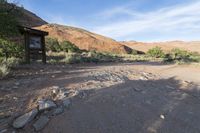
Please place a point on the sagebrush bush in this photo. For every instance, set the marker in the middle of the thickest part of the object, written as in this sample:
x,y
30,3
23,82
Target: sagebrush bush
x,y
6,64
4,70
156,52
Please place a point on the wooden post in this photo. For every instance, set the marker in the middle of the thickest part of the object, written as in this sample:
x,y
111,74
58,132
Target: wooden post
x,y
27,49
43,50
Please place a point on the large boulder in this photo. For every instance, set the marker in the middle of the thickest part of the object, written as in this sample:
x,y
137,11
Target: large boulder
x,y
24,119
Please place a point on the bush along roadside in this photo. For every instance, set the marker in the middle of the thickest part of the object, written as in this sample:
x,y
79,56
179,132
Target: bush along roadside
x,y
156,52
182,56
6,65
10,55
175,55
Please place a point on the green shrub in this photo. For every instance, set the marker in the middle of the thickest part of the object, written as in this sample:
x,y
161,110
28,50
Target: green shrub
x,y
134,52
9,49
4,70
69,47
156,52
52,44
178,54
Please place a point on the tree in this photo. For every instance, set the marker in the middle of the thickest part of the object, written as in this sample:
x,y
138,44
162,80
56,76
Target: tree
x,y
52,44
8,23
69,47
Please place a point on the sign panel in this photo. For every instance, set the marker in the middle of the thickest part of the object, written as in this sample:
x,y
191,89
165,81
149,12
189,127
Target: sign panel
x,y
35,42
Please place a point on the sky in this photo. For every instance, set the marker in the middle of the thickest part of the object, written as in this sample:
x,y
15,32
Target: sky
x,y
125,20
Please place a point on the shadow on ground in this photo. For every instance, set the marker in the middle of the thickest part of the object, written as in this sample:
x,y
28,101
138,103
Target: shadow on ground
x,y
152,106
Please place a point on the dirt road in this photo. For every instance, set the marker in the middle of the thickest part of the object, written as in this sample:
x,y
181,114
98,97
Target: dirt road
x,y
118,97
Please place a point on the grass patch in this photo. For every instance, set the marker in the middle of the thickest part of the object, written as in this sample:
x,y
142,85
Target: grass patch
x,y
94,57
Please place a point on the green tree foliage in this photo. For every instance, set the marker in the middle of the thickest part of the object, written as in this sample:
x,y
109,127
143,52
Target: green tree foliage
x,y
52,44
9,49
69,47
156,52
8,23
178,54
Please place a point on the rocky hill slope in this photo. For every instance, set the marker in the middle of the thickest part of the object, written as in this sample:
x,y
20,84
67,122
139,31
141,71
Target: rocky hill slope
x,y
84,39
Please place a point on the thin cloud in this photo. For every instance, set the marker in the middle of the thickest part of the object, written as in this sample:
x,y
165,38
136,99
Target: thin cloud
x,y
171,22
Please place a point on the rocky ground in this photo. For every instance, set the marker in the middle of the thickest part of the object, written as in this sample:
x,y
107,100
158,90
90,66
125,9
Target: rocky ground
x,y
101,98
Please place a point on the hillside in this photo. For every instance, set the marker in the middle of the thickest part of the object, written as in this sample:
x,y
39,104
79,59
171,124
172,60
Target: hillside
x,y
25,17
30,19
84,39
193,46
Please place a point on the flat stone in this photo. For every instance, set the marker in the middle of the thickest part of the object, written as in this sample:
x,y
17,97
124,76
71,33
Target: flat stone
x,y
24,119
41,123
46,104
66,102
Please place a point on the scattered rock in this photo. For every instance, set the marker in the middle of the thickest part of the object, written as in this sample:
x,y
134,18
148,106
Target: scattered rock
x,y
4,115
170,87
187,82
41,123
15,98
162,117
80,94
66,102
24,119
137,89
17,83
46,104
75,93
143,78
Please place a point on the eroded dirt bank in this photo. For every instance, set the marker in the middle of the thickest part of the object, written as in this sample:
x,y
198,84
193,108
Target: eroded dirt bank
x,y
116,98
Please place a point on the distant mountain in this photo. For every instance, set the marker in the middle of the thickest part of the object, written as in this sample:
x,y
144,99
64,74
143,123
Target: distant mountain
x,y
193,46
84,39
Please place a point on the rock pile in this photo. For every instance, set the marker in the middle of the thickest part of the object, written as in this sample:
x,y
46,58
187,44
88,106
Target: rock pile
x,y
47,108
